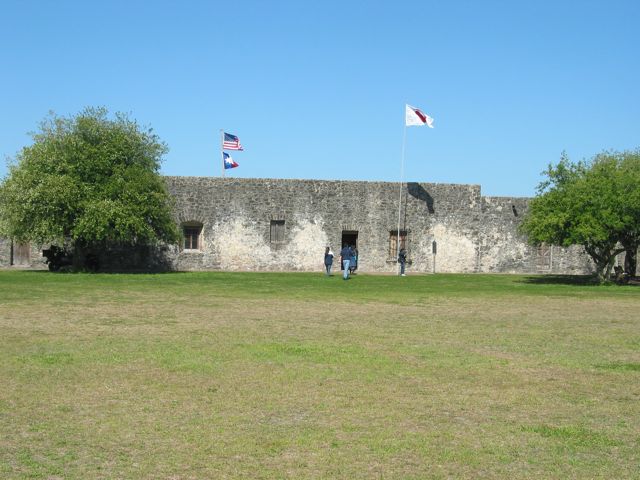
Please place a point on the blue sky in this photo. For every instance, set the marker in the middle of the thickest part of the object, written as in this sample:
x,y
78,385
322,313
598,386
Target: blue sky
x,y
317,89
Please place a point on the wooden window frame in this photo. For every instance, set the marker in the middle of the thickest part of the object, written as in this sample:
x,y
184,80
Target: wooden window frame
x,y
393,243
277,232
191,232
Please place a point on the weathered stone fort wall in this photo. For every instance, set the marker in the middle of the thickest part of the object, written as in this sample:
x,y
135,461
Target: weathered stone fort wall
x,y
285,225
472,233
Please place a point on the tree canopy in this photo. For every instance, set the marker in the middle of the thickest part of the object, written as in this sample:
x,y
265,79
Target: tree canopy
x,y
88,181
593,203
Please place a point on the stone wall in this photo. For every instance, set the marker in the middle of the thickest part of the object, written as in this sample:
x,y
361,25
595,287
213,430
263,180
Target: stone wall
x,y
28,257
472,233
5,252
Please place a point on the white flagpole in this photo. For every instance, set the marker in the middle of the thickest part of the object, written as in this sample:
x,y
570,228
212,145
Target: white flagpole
x,y
404,138
222,150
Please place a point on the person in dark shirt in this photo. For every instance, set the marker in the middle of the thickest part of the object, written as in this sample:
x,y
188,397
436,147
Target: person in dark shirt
x,y
402,259
328,260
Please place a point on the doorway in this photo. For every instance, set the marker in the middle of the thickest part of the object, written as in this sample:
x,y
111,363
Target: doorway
x,y
20,254
349,237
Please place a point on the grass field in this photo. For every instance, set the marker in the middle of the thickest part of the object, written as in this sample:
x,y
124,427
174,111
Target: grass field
x,y
257,375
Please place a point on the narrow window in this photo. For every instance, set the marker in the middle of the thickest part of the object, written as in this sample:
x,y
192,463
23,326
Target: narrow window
x,y
543,258
192,236
277,231
393,242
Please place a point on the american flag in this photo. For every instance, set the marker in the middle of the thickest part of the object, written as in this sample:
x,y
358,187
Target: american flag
x,y
231,142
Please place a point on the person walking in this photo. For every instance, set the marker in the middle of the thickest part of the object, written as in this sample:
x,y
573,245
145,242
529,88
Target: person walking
x,y
328,260
354,260
345,257
402,259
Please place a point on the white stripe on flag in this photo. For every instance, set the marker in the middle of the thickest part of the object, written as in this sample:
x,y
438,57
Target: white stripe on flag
x,y
415,117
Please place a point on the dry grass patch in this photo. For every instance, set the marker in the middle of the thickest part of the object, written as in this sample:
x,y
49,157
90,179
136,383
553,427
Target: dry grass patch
x,y
182,380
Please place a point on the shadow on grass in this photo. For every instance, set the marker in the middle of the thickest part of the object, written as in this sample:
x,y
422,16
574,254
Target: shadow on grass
x,y
103,272
575,280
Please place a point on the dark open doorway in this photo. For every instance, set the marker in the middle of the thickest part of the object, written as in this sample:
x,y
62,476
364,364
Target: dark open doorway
x,y
350,237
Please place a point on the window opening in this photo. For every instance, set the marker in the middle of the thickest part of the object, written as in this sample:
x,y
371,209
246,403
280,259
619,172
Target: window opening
x,y
192,234
393,242
277,231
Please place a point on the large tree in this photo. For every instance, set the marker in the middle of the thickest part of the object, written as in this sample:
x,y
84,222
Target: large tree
x,y
630,207
88,182
593,203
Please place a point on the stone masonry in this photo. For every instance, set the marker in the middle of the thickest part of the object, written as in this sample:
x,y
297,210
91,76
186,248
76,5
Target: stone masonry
x,y
472,233
285,225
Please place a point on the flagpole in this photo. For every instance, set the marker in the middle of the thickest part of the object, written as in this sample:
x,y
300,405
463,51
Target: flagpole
x,y
404,138
222,150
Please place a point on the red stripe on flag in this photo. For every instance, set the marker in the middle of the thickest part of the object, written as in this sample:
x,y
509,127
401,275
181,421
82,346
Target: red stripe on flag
x,y
422,116
231,146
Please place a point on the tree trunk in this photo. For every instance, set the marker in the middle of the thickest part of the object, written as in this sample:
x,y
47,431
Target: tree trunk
x,y
85,258
631,260
604,270
604,256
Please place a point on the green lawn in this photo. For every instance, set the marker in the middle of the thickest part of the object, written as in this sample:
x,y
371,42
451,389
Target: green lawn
x,y
269,375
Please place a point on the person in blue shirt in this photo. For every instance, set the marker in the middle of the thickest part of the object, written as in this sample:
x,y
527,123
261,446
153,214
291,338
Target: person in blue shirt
x,y
354,259
345,255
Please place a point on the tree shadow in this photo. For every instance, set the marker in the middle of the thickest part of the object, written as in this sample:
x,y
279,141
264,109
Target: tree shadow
x,y
100,272
111,258
575,280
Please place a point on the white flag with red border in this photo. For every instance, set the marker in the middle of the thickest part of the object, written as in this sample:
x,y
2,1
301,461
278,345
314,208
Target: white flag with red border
x,y
414,117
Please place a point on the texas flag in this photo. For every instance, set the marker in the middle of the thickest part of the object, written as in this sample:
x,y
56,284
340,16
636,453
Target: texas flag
x,y
228,161
415,117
